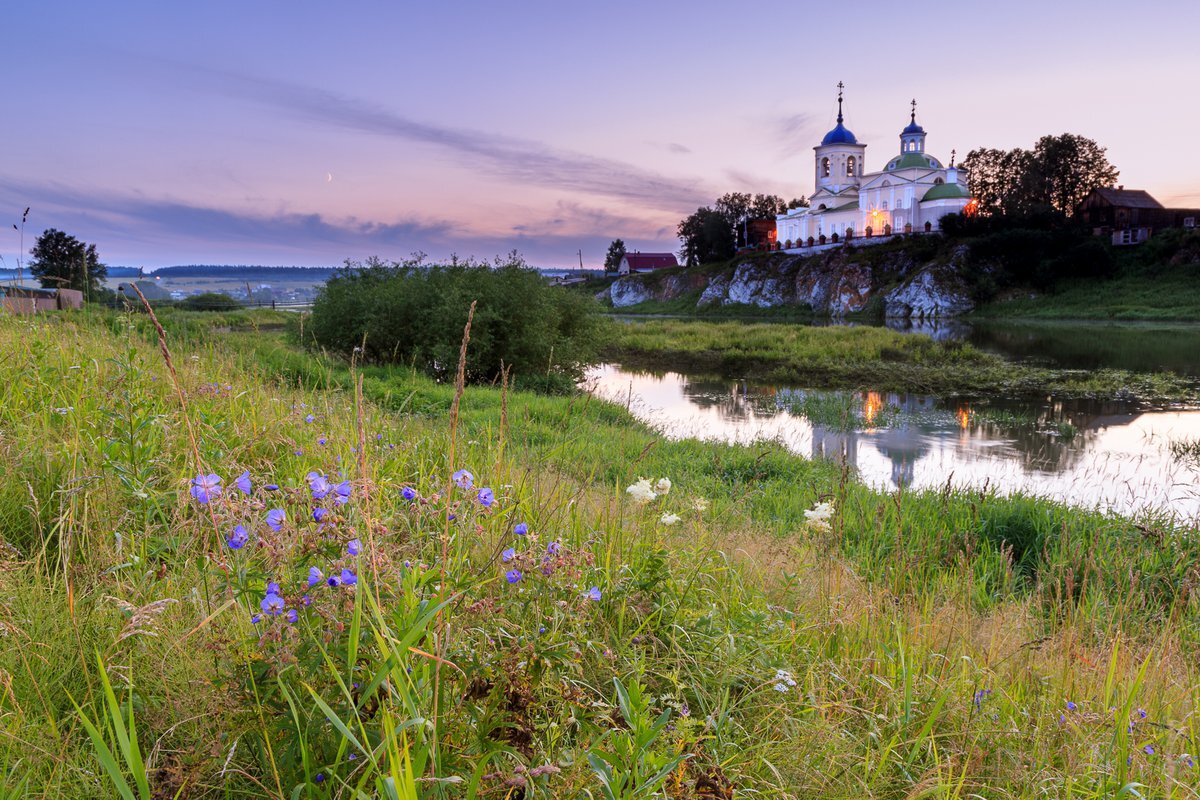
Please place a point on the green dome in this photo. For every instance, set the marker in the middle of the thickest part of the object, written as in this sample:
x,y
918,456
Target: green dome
x,y
946,191
913,160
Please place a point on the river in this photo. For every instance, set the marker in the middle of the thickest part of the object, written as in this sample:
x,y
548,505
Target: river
x,y
1118,456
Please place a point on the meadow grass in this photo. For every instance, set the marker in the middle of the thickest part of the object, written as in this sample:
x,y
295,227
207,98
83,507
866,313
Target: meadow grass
x,y
1170,295
948,644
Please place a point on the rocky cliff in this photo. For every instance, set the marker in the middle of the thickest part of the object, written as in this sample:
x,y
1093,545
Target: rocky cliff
x,y
834,283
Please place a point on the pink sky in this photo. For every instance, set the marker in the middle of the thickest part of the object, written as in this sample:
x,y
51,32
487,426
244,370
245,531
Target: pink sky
x,y
307,134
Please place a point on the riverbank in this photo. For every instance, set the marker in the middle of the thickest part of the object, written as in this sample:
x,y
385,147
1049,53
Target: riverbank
x,y
869,357
883,644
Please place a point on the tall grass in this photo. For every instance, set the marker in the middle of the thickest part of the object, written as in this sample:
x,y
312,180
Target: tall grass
x,y
935,644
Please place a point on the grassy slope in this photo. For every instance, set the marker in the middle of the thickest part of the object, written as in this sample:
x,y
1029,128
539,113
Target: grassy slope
x,y
1171,296
876,358
891,622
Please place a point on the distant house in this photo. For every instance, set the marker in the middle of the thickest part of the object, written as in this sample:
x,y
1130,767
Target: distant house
x,y
1130,216
760,234
645,262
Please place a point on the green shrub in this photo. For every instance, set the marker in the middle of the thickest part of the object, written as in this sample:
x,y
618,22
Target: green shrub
x,y
209,301
409,313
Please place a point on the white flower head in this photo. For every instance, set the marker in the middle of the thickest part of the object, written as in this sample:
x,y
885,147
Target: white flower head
x,y
700,504
663,486
669,519
641,491
821,512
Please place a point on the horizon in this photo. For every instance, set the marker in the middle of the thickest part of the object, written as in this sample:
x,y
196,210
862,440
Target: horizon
x,y
170,136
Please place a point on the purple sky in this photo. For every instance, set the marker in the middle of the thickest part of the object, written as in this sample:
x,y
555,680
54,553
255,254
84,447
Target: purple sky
x,y
310,132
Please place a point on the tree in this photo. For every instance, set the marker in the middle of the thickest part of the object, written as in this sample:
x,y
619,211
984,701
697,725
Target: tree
x,y
1067,168
1055,176
616,251
62,261
707,236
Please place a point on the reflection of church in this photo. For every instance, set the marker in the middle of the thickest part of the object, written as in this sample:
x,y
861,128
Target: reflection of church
x,y
911,193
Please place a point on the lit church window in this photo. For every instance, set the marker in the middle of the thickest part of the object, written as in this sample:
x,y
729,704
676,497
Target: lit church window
x,y
825,167
850,167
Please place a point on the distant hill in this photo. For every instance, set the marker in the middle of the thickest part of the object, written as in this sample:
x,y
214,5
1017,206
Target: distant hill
x,y
246,273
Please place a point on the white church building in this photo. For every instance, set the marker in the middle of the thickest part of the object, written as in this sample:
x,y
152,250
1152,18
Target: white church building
x,y
911,193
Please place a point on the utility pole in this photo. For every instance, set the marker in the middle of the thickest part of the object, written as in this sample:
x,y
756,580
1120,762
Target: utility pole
x,y
580,260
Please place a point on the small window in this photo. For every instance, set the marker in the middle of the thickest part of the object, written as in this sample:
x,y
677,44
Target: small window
x,y
887,183
850,167
824,167
938,181
883,205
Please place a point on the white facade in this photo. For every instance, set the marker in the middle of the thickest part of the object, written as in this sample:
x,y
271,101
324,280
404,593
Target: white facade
x,y
911,193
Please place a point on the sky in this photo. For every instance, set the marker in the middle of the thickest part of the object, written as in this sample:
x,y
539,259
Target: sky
x,y
308,133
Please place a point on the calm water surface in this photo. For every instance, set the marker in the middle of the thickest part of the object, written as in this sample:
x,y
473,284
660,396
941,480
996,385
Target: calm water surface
x,y
1111,455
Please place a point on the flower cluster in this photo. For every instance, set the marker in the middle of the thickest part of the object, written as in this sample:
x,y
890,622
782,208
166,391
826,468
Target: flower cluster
x,y
784,681
818,517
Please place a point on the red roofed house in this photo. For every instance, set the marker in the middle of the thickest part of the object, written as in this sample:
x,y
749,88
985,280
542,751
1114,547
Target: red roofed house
x,y
645,262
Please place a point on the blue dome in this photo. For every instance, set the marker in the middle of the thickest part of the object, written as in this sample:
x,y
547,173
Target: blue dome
x,y
912,127
839,135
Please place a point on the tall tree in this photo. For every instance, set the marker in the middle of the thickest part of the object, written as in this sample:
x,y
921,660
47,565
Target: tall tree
x,y
707,237
1067,168
616,251
62,261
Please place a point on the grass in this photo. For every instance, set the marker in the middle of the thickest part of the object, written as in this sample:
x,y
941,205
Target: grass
x,y
1167,296
934,639
867,357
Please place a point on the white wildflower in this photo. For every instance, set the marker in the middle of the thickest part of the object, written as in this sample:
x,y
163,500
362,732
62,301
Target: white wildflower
x,y
669,519
700,504
818,516
641,491
663,486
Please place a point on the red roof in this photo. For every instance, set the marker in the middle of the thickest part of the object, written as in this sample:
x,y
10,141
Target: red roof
x,y
651,260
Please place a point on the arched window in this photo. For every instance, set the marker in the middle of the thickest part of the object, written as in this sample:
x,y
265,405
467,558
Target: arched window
x,y
938,181
850,167
824,167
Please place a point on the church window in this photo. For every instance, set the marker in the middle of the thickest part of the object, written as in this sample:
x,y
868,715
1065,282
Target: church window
x,y
824,167
883,205
938,181
850,167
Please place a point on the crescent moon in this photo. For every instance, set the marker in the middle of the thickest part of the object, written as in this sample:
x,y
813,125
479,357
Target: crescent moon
x,y
329,177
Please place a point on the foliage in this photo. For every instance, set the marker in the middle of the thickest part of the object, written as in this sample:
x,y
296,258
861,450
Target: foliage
x,y
612,259
414,314
713,233
1056,175
209,301
62,261
902,649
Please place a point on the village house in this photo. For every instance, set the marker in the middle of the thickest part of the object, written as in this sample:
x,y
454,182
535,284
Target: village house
x,y
1130,216
645,262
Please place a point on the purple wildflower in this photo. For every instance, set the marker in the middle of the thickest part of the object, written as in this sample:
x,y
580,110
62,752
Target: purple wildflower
x,y
408,493
318,485
354,548
272,604
333,580
272,588
322,440
275,518
238,539
310,419
314,576
292,616
342,491
593,594
1071,706
486,497
508,555
257,618
319,514
206,487
521,529
1141,712
513,576
306,601
272,487
243,482
1148,749
464,479
348,578
553,548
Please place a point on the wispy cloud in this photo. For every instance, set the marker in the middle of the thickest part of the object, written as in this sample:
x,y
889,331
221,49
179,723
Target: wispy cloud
x,y
139,230
520,160
793,133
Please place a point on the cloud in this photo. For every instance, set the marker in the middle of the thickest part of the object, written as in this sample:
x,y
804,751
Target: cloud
x,y
521,160
794,133
156,232
676,147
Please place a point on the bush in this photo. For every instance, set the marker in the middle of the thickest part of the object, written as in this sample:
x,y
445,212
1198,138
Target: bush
x,y
209,301
410,313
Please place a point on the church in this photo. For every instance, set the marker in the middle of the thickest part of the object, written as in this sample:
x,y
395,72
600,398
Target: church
x,y
911,193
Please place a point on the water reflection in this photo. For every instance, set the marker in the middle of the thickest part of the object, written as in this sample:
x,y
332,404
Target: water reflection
x,y
1090,453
